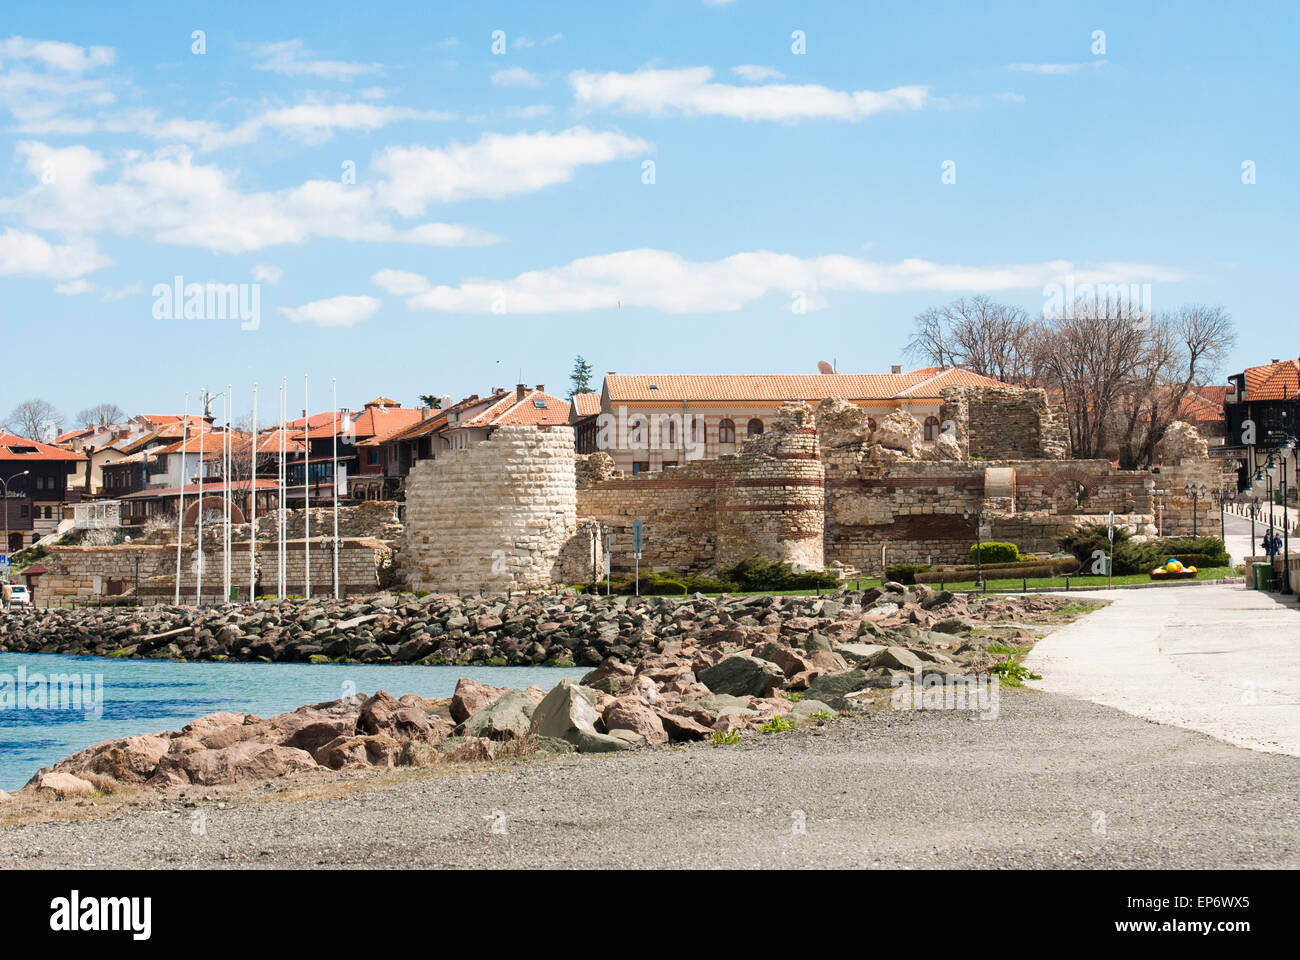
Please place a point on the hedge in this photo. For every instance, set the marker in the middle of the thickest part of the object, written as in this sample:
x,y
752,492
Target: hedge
x,y
994,551
905,573
1002,571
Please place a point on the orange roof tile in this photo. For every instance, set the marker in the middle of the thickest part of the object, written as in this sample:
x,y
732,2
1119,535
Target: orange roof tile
x,y
16,448
1273,381
585,404
924,383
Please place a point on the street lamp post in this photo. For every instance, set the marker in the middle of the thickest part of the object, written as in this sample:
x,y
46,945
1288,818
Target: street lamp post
x,y
1195,491
979,546
1285,449
4,485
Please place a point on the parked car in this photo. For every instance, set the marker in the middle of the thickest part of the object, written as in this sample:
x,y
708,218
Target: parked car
x,y
15,594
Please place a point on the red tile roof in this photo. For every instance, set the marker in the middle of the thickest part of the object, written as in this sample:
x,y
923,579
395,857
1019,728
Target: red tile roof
x,y
1273,381
19,449
585,404
212,488
924,383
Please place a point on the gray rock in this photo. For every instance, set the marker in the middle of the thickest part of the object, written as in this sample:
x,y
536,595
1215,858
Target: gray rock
x,y
830,686
953,625
507,718
568,713
743,676
806,708
897,658
859,651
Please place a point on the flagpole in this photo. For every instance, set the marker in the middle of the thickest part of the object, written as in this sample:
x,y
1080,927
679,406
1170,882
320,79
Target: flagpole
x,y
198,587
280,556
252,500
180,508
306,492
334,400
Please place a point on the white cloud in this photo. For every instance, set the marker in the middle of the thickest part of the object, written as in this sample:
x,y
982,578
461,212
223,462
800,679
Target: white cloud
x,y
334,311
57,55
757,74
665,281
496,165
530,112
1009,97
170,198
121,293
689,91
27,254
1053,69
516,77
447,42
74,287
291,58
265,273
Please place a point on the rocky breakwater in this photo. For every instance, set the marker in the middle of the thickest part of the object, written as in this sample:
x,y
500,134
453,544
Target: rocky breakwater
x,y
563,629
729,665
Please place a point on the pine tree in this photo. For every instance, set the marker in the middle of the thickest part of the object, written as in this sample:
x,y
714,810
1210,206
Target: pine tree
x,y
580,378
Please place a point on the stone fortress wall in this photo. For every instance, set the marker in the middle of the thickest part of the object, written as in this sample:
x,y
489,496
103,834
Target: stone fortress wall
x,y
493,517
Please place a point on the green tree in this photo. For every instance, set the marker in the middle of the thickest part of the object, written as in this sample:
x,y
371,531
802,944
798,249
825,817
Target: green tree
x,y
429,400
580,378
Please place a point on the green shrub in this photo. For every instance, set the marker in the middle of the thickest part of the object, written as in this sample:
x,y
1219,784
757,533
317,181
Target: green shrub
x,y
763,573
994,552
698,584
905,573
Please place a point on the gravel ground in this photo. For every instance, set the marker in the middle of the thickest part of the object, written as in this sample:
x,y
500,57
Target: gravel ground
x,y
934,789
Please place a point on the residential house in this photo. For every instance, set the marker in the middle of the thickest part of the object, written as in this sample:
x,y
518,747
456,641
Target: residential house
x,y
651,422
1262,408
33,489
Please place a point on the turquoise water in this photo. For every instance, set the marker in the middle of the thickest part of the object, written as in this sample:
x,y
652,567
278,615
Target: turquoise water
x,y
145,696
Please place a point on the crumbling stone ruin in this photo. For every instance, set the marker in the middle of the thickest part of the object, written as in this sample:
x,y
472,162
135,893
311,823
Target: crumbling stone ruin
x,y
823,486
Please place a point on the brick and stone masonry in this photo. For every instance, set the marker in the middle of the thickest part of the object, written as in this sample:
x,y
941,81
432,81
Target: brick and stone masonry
x,y
494,516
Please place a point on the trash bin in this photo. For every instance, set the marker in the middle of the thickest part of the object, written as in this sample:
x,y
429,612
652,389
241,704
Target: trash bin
x,y
1263,573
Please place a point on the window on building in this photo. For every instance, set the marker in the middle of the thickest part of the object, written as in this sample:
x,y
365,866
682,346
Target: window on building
x,y
699,430
373,456
755,428
726,432
931,428
640,466
668,433
638,433
668,463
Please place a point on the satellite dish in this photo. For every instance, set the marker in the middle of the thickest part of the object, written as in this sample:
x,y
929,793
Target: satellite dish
x,y
824,367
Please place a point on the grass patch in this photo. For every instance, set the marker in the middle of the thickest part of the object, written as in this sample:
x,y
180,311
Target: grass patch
x,y
725,737
777,724
1085,582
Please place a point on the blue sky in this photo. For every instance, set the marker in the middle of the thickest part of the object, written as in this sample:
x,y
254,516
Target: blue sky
x,y
499,219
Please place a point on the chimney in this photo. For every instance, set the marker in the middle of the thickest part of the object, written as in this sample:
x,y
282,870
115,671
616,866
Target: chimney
x,y
520,390
895,369
1275,360
541,388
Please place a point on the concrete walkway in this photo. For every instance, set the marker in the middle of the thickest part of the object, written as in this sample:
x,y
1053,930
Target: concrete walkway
x,y
1221,660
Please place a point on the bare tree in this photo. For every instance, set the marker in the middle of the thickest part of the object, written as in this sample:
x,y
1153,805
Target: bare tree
x,y
986,337
101,415
1184,348
35,419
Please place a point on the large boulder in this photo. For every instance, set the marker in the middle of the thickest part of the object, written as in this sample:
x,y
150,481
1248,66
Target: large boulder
x,y
127,760
633,714
365,751
384,715
569,713
60,785
743,676
508,717
470,697
246,760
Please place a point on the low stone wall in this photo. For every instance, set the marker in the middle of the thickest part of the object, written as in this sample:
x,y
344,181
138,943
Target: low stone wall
x,y
89,574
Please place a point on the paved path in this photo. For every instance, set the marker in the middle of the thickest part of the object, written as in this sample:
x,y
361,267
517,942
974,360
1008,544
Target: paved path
x,y
1221,660
1051,782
